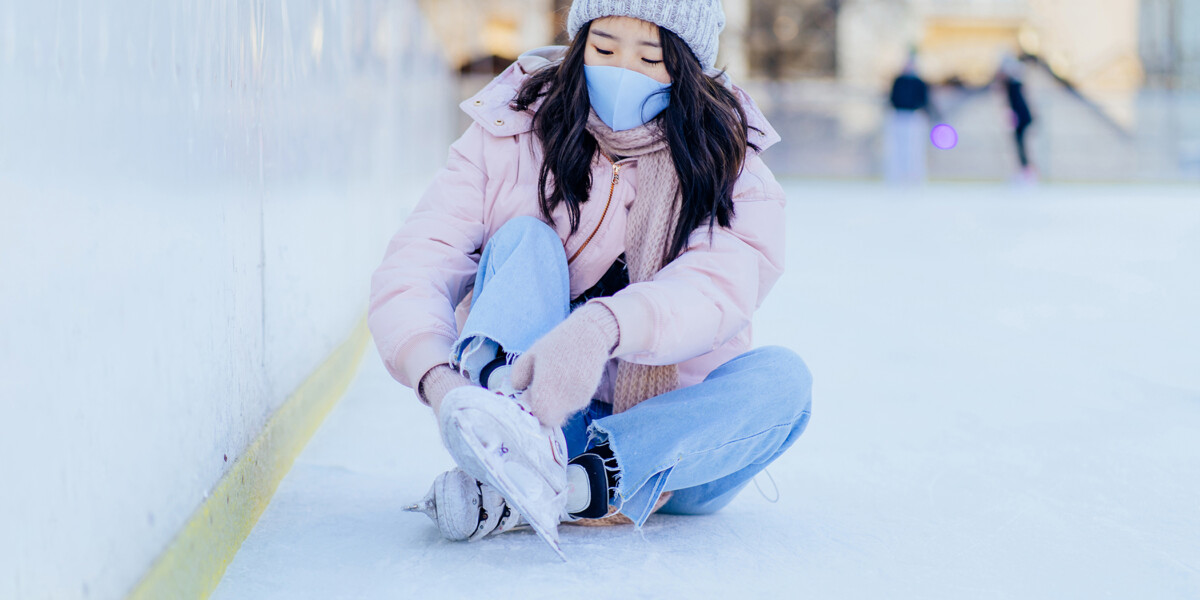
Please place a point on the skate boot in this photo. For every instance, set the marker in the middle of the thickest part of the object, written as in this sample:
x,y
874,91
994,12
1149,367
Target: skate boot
x,y
465,508
495,439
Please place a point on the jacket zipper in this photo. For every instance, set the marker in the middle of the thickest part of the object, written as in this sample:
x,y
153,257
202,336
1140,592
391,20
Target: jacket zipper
x,y
615,178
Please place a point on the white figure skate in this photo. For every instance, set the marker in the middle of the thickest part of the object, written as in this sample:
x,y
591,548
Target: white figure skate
x,y
495,439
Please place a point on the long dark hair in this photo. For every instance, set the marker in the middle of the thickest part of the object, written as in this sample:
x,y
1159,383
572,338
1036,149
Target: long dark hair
x,y
705,126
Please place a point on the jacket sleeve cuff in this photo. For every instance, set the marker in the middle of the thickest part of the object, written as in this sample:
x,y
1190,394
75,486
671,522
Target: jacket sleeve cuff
x,y
416,357
635,318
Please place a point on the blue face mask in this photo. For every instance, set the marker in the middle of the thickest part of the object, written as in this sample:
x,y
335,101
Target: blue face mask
x,y
625,99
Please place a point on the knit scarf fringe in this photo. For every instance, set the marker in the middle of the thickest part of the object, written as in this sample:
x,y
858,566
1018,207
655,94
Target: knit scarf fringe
x,y
651,221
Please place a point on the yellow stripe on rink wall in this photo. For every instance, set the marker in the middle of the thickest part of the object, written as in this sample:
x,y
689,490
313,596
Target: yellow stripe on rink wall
x,y
194,562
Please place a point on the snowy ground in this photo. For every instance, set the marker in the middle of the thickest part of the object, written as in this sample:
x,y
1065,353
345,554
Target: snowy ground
x,y
1006,405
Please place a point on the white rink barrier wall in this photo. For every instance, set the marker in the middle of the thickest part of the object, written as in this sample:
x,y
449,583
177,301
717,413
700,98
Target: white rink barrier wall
x,y
193,195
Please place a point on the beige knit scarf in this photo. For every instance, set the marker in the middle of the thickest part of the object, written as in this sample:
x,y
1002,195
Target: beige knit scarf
x,y
649,226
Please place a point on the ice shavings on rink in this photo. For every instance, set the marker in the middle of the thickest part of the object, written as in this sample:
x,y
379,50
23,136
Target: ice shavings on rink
x,y
1006,405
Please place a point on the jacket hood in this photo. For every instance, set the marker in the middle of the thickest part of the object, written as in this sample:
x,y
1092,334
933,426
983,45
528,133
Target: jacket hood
x,y
490,107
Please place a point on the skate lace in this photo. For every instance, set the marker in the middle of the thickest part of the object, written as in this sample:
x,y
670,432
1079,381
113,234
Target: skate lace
x,y
759,488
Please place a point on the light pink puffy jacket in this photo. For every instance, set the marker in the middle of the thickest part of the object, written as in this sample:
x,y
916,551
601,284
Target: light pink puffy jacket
x,y
695,312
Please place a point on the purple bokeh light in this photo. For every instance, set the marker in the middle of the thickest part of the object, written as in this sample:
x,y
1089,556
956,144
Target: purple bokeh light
x,y
944,137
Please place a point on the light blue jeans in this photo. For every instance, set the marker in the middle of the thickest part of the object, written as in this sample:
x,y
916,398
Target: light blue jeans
x,y
704,442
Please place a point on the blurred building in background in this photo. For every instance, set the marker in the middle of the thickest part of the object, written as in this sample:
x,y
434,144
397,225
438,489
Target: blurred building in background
x,y
1114,84
1169,43
478,36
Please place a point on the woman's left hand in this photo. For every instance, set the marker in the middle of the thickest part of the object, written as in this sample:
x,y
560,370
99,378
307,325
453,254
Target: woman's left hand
x,y
561,372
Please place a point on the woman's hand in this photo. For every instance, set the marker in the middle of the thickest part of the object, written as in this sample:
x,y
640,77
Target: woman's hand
x,y
561,372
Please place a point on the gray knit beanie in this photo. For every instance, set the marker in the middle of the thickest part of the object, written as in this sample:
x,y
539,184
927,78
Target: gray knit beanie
x,y
697,22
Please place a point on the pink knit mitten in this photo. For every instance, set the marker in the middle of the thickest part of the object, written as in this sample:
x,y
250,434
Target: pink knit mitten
x,y
561,372
438,382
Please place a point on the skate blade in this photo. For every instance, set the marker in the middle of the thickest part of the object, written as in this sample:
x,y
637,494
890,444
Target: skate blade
x,y
477,455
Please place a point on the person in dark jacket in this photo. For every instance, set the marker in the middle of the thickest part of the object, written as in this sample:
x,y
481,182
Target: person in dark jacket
x,y
909,92
1010,77
907,128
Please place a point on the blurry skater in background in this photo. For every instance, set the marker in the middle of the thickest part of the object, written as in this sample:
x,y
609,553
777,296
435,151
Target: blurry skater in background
x,y
908,127
573,294
1010,75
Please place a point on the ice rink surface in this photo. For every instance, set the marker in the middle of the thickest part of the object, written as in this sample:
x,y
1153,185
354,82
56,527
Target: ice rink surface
x,y
1006,405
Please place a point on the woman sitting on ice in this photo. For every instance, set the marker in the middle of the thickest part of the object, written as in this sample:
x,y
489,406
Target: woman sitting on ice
x,y
606,229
